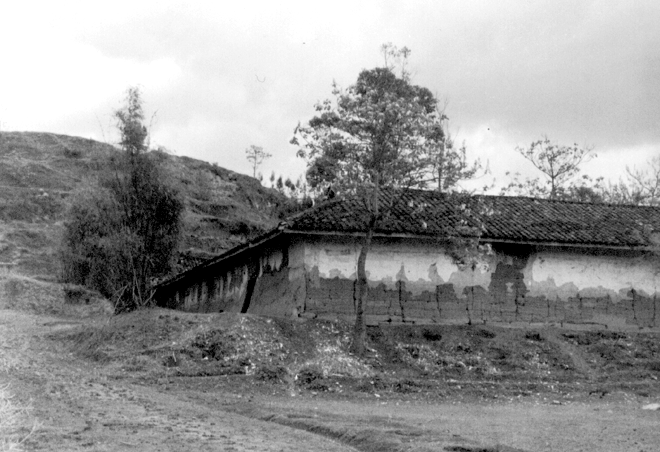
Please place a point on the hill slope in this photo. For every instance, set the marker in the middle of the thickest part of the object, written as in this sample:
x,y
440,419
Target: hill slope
x,y
39,171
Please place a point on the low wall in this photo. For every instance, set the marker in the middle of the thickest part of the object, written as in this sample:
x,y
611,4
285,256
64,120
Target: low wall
x,y
267,280
414,282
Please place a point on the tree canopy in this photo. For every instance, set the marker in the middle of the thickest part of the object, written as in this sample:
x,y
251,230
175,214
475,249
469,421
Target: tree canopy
x,y
383,132
380,132
560,165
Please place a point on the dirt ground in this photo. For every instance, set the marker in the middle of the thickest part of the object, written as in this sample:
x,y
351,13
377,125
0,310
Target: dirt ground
x,y
98,402
76,407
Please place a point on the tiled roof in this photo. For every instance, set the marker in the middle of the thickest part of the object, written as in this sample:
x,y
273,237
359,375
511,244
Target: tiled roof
x,y
517,219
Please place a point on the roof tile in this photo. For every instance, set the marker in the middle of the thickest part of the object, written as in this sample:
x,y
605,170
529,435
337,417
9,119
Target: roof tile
x,y
503,218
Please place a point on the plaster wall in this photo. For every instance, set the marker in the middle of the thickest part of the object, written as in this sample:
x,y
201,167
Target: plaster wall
x,y
268,281
209,292
280,288
415,281
557,274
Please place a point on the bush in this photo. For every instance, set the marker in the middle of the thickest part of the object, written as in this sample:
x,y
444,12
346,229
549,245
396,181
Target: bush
x,y
533,336
271,373
431,335
308,376
123,230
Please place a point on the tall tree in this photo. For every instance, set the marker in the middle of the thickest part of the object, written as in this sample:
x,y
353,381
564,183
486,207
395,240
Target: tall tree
x,y
256,156
124,232
382,132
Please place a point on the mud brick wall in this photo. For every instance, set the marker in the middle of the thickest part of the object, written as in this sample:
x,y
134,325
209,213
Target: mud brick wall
x,y
267,280
208,292
416,283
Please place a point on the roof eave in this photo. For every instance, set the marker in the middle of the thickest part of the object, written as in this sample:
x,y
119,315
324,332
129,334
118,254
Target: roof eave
x,y
483,239
233,252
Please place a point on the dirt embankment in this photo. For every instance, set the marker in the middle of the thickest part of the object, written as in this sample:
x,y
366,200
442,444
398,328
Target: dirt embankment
x,y
164,380
74,404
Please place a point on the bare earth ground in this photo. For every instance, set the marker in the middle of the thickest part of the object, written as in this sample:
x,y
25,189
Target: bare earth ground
x,y
77,407
98,398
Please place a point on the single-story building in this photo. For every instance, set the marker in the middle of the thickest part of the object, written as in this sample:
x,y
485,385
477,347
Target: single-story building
x,y
563,263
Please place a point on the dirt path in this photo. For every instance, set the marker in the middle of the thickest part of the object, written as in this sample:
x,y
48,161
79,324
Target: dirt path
x,y
76,407
617,425
81,407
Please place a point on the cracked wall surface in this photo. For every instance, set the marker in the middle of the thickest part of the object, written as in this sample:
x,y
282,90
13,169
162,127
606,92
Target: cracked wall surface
x,y
413,281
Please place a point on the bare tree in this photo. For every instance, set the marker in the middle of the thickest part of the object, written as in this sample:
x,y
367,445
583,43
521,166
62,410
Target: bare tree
x,y
256,156
643,185
558,163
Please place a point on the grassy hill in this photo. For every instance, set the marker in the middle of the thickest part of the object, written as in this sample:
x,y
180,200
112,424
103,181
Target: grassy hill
x,y
39,171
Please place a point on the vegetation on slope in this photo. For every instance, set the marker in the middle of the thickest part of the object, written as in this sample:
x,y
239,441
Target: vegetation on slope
x,y
426,362
39,171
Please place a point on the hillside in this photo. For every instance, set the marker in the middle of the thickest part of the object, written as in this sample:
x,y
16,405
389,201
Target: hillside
x,y
39,171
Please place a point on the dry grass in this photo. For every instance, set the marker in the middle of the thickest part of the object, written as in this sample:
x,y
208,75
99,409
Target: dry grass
x,y
157,341
314,354
39,171
40,297
330,357
13,422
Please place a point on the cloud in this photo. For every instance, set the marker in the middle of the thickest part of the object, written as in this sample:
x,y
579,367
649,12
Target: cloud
x,y
225,76
582,72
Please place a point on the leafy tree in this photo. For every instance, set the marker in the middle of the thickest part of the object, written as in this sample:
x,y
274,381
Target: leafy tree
x,y
123,231
585,189
558,163
450,163
295,195
256,156
381,133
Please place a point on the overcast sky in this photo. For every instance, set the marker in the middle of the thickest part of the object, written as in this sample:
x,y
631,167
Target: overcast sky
x,y
221,76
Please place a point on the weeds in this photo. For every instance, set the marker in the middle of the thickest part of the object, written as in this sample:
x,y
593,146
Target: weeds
x,y
334,361
12,422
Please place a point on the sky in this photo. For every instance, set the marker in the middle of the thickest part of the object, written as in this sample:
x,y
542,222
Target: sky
x,y
218,76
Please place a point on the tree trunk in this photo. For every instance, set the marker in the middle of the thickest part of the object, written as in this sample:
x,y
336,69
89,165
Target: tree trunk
x,y
362,288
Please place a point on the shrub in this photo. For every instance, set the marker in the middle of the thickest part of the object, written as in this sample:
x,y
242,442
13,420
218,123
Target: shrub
x,y
122,231
431,335
271,373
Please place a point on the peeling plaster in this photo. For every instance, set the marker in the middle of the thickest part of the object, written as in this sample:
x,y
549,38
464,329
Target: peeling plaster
x,y
564,275
386,264
415,281
271,262
433,274
401,276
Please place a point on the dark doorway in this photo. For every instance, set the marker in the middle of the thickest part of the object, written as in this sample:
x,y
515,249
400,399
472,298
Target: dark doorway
x,y
253,275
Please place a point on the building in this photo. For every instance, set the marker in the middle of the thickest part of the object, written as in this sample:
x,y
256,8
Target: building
x,y
553,262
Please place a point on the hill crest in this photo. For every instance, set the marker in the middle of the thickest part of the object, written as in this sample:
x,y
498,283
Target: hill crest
x,y
39,171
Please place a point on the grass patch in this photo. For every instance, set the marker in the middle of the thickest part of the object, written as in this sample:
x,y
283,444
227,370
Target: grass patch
x,y
13,423
313,355
41,297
